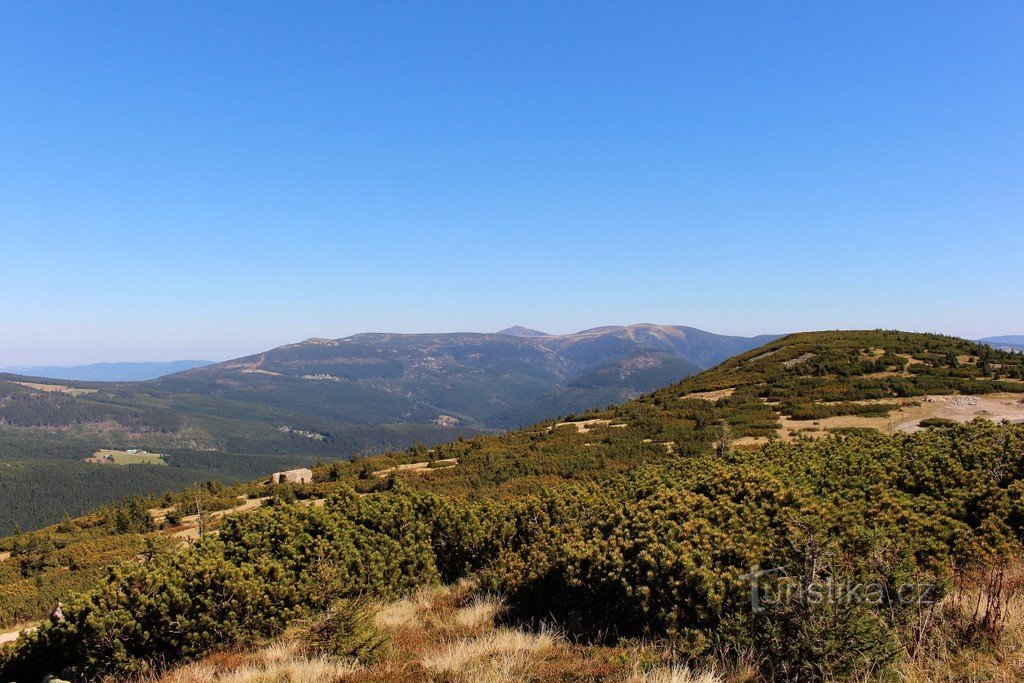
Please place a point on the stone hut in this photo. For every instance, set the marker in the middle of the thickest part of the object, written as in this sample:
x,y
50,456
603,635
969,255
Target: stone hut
x,y
299,476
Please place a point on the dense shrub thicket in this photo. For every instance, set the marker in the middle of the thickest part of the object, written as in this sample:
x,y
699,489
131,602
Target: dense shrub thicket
x,y
660,552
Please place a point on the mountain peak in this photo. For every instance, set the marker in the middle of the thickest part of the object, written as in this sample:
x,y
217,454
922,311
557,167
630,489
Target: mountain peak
x,y
520,331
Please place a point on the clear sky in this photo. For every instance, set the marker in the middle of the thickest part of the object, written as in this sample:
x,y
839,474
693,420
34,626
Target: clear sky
x,y
210,179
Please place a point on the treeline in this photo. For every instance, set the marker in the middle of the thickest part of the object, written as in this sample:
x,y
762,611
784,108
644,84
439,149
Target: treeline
x,y
661,551
34,494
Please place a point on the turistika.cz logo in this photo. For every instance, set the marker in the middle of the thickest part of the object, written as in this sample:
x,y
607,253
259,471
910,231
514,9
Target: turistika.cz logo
x,y
773,587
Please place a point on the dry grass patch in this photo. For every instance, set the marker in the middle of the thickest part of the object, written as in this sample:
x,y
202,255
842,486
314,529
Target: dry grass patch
x,y
501,655
677,675
585,426
979,634
279,663
479,613
712,395
416,611
425,467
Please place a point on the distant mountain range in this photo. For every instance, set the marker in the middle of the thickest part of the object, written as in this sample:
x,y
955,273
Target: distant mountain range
x,y
109,372
1008,342
513,377
374,391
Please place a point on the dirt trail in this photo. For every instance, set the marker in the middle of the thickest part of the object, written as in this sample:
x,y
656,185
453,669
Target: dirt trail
x,y
190,522
418,467
995,407
11,636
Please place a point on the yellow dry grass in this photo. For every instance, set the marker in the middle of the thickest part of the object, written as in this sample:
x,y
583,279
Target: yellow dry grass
x,y
448,634
995,407
480,612
418,467
188,529
584,426
499,656
711,395
279,663
412,612
998,659
677,675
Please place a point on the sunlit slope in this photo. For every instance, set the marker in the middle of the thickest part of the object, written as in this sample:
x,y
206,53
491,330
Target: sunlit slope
x,y
604,522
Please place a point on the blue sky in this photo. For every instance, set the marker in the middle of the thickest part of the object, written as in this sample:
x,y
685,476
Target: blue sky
x,y
213,179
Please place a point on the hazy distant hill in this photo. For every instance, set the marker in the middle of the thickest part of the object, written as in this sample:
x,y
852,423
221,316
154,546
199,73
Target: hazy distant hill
x,y
110,372
1008,342
520,331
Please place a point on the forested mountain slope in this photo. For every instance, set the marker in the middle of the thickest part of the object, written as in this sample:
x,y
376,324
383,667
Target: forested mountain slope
x,y
635,524
471,378
289,406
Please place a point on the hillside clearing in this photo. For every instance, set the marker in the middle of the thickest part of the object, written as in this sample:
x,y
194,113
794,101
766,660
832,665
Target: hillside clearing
x,y
955,407
712,396
127,457
189,527
57,388
584,426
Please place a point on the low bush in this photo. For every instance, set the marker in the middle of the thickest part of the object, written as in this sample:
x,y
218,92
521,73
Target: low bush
x,y
347,632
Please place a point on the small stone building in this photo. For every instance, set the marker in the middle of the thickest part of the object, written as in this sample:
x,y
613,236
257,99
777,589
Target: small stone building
x,y
299,476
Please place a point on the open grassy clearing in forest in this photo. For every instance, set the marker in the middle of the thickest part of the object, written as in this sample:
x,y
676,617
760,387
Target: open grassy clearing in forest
x,y
128,457
711,395
57,388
